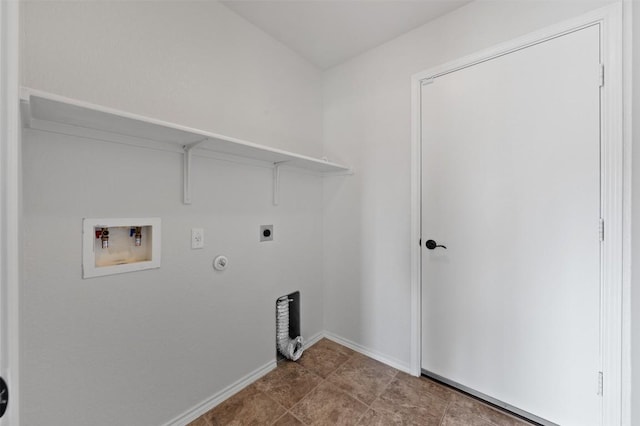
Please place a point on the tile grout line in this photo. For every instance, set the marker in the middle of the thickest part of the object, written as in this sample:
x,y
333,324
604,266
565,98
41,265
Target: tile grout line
x,y
446,410
325,380
395,377
276,420
269,398
273,400
395,374
381,392
366,410
296,417
368,407
291,414
322,379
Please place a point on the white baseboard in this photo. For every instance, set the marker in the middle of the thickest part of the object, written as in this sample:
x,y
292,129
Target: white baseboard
x,y
313,339
391,362
206,405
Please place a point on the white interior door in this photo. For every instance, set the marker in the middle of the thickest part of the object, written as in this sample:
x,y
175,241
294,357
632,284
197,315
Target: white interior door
x,y
511,186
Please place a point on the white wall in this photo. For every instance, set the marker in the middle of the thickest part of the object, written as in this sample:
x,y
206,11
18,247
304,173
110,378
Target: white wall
x,y
193,63
141,348
635,217
367,105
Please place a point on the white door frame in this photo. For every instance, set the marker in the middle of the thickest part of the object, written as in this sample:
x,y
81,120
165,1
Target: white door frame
x,y
10,203
616,198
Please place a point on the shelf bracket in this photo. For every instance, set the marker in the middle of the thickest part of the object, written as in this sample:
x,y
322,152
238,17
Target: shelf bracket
x,y
276,183
187,169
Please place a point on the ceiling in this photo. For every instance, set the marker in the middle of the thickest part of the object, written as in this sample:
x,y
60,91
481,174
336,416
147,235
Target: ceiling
x,y
329,32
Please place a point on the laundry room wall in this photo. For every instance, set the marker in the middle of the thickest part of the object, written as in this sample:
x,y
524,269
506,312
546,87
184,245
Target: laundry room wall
x,y
143,348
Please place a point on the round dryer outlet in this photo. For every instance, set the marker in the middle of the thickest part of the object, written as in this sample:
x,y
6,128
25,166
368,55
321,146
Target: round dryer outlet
x,y
220,263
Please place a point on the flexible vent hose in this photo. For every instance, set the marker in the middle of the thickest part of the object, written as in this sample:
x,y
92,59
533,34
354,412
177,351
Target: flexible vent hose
x,y
290,348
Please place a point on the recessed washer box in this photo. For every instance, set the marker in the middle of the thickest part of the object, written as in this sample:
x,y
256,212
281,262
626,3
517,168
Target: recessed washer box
x,y
119,245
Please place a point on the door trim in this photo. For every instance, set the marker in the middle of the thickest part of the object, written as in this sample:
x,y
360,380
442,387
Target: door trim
x,y
616,198
10,203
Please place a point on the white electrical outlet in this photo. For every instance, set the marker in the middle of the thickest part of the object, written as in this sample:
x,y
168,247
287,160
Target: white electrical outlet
x,y
197,238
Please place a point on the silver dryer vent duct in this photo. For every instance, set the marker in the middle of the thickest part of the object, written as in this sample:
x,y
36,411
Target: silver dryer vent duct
x,y
290,348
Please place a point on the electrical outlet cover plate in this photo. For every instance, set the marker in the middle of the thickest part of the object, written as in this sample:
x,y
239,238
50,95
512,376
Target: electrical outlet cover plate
x,y
266,233
197,238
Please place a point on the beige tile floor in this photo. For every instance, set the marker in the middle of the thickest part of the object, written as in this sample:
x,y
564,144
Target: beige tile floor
x,y
333,385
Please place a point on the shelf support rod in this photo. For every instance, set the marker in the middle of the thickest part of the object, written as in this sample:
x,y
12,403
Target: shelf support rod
x,y
187,169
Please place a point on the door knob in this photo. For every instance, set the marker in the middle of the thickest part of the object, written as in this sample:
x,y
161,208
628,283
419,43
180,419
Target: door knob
x,y
432,244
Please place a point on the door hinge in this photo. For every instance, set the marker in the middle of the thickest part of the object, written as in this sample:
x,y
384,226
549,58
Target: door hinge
x,y
601,77
600,383
601,229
